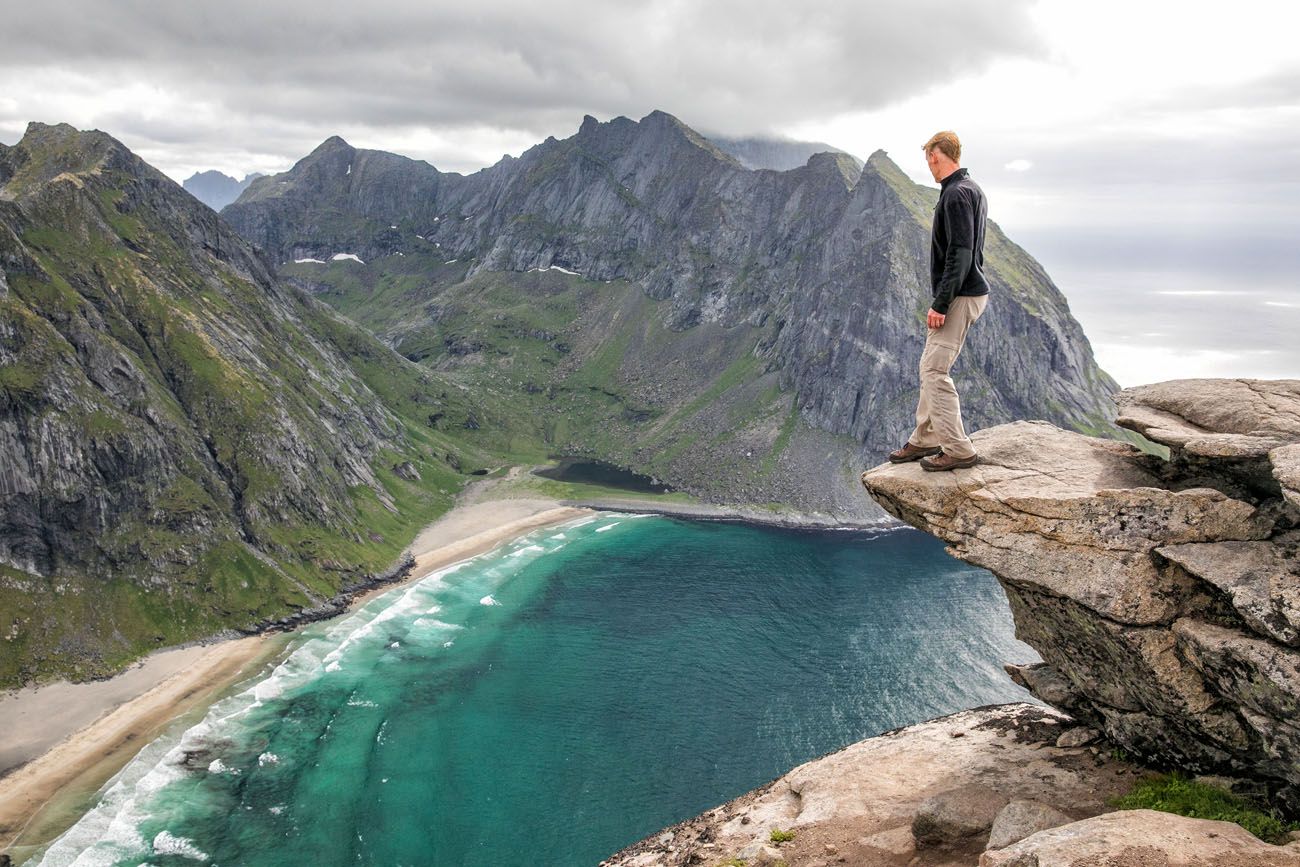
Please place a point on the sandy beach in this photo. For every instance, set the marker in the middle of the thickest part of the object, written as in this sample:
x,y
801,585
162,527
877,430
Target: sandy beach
x,y
62,737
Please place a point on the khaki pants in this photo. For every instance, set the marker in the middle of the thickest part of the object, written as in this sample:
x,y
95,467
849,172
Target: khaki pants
x,y
938,413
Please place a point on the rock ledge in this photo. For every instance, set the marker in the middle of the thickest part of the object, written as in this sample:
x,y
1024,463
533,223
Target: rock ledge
x,y
1163,595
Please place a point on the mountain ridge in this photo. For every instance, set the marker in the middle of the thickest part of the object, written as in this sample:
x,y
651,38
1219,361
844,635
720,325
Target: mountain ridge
x,y
825,268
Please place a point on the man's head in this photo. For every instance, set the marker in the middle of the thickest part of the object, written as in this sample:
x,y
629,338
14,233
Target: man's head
x,y
943,154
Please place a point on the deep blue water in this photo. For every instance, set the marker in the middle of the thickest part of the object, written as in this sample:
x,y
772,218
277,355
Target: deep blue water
x,y
562,697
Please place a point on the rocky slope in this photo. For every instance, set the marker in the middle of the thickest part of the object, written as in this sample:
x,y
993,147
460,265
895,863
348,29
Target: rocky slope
x,y
748,336
987,786
187,444
1162,595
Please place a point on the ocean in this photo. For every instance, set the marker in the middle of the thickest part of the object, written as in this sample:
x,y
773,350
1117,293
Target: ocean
x,y
561,697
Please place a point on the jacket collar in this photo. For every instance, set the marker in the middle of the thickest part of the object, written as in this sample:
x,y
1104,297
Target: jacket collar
x,y
954,177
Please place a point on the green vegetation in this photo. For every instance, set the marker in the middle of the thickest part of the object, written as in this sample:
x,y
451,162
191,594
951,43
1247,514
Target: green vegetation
x,y
1178,793
256,408
779,836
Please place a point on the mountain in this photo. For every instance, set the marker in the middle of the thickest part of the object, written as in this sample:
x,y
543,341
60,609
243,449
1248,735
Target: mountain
x,y
187,444
216,190
747,336
758,152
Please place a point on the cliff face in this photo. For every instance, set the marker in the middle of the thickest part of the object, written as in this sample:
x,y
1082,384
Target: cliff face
x,y
799,292
186,443
1163,595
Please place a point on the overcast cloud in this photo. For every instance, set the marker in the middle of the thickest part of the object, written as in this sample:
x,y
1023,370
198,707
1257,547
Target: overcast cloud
x,y
1136,149
464,82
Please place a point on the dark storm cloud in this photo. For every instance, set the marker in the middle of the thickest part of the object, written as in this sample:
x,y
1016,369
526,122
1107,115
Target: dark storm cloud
x,y
733,66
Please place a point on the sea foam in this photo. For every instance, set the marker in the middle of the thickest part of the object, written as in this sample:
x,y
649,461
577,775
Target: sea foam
x,y
109,832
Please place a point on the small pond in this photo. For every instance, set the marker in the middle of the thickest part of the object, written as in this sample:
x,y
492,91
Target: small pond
x,y
588,471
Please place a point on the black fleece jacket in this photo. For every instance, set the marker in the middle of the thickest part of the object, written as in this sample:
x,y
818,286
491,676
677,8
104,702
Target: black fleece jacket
x,y
957,241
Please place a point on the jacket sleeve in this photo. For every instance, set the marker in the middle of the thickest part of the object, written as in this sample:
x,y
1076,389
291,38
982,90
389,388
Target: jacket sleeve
x,y
958,214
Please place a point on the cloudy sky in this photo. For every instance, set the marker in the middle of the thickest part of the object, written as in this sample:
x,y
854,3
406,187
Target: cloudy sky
x,y
1148,153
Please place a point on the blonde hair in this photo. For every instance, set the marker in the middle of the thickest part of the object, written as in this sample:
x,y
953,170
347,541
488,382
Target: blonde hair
x,y
947,142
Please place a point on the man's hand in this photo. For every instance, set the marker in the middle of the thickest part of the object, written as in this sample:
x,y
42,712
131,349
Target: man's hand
x,y
934,320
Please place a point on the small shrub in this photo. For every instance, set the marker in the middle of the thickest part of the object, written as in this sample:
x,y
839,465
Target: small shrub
x,y
779,836
1178,793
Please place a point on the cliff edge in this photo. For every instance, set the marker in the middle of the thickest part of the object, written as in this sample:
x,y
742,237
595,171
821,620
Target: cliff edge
x,y
1162,594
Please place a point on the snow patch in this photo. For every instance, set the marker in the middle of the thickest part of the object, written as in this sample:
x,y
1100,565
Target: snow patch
x,y
353,256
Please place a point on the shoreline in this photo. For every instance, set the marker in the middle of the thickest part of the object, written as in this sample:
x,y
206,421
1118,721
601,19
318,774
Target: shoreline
x,y
734,514
80,761
65,740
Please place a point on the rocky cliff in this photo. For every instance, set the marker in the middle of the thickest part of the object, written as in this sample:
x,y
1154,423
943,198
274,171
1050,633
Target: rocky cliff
x,y
187,444
1162,594
746,335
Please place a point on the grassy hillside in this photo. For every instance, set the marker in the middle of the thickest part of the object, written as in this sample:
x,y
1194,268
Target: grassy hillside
x,y
190,446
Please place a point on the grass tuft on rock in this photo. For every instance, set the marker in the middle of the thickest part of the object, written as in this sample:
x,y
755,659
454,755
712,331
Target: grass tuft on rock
x,y
1179,793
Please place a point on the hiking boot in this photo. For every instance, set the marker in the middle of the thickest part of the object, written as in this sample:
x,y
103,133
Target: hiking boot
x,y
948,462
910,452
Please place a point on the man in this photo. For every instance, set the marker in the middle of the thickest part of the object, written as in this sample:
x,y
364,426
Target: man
x,y
960,296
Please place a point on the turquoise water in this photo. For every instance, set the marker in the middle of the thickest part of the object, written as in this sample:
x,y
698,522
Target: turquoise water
x,y
562,697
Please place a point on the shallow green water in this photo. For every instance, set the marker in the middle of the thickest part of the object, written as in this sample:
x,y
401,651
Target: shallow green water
x,y
562,697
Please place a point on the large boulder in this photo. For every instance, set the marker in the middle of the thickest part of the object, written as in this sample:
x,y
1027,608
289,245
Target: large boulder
x,y
944,780
955,815
1018,819
1140,838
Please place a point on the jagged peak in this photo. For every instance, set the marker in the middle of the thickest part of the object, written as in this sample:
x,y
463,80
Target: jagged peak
x,y
662,120
836,161
210,174
880,163
65,136
52,151
333,143
880,169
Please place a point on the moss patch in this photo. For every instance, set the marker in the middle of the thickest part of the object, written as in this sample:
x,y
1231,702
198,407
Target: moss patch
x,y
1178,793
